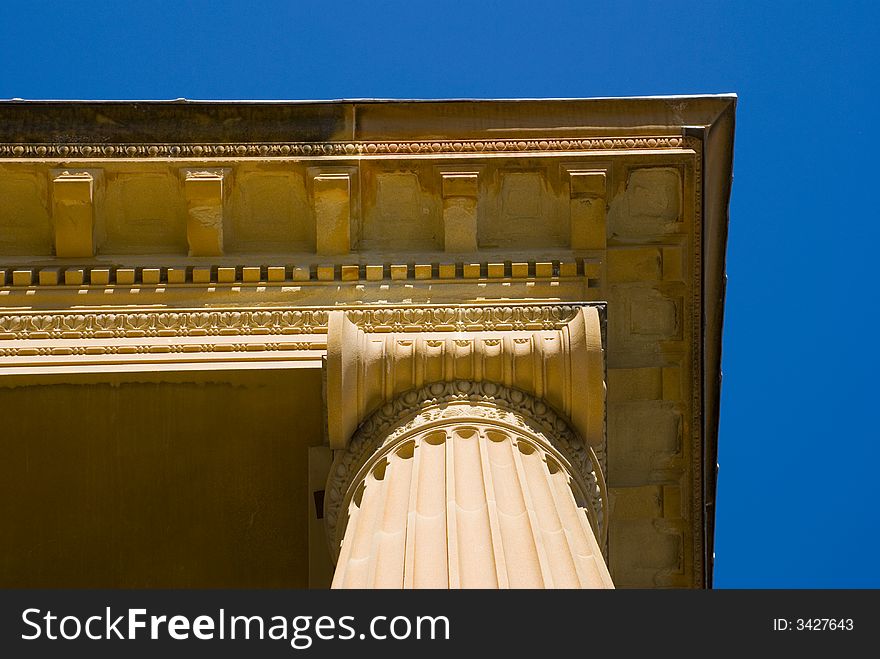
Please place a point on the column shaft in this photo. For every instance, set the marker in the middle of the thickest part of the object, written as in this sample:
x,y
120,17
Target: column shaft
x,y
468,506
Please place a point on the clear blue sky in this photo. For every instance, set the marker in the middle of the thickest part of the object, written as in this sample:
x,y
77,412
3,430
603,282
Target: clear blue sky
x,y
798,495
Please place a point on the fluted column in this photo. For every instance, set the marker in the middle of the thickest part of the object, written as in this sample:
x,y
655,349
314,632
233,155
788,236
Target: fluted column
x,y
467,485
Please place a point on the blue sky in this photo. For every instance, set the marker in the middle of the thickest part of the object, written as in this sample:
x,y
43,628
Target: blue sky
x,y
798,492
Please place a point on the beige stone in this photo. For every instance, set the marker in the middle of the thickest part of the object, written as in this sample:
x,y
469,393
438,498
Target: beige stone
x,y
25,215
495,270
350,272
333,213
531,246
73,213
270,210
250,274
587,207
460,190
520,270
73,276
568,269
465,502
144,212
124,276
544,270
364,370
204,224
471,270
22,277
151,275
635,264
176,275
49,276
100,276
447,271
201,275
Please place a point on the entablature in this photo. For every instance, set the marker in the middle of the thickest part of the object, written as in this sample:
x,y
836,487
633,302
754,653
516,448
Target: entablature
x,y
117,336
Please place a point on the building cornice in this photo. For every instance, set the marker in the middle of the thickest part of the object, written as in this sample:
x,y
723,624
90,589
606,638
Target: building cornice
x,y
336,150
145,122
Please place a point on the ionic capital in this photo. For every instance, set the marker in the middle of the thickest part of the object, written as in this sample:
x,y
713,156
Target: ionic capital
x,y
563,367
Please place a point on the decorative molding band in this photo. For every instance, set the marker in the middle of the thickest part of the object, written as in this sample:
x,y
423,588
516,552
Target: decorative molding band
x,y
462,403
350,149
102,324
114,325
461,318
175,275
156,349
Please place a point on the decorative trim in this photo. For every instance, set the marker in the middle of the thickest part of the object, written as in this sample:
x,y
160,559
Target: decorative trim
x,y
106,325
696,466
156,349
335,149
290,320
103,276
442,403
463,318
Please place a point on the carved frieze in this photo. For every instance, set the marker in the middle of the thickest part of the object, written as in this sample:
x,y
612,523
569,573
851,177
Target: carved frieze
x,y
335,149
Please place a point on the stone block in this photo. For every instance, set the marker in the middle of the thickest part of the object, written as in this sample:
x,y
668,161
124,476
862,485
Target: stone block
x,y
471,270
332,204
49,276
176,275
634,264
587,209
276,273
446,271
74,276
649,206
543,270
225,275
73,213
201,275
631,384
204,198
648,436
460,211
495,270
672,502
672,383
640,502
99,276
643,551
250,274
519,270
673,264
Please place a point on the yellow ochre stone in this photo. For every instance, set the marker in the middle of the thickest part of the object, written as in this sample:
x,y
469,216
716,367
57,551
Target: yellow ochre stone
x,y
268,309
